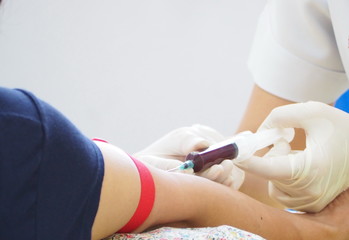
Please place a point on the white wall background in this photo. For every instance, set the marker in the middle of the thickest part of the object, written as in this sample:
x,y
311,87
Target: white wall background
x,y
131,71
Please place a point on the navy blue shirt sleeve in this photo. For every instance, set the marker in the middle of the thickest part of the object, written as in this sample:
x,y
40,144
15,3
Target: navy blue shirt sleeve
x,y
50,173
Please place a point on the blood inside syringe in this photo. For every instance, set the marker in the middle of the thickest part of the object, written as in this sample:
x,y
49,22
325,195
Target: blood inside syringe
x,y
215,154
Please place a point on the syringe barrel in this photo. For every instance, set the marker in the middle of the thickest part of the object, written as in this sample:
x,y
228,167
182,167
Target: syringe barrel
x,y
243,146
212,155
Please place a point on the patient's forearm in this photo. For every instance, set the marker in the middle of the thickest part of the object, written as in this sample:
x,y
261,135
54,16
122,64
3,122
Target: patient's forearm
x,y
193,201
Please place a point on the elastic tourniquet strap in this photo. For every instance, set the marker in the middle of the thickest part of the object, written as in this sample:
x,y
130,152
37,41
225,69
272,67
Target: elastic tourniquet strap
x,y
146,200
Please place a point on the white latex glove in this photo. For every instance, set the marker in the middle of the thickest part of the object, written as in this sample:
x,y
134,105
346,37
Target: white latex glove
x,y
306,180
170,151
226,173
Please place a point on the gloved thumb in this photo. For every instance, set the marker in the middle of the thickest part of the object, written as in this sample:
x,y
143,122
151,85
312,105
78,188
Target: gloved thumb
x,y
278,163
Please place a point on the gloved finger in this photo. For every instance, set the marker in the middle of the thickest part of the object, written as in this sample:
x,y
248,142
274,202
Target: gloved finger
x,y
218,172
281,147
212,173
227,166
283,167
235,179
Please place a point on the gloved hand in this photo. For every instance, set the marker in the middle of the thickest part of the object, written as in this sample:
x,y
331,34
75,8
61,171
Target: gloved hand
x,y
170,151
310,179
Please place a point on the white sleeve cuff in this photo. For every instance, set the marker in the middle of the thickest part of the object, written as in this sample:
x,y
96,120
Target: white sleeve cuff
x,y
285,75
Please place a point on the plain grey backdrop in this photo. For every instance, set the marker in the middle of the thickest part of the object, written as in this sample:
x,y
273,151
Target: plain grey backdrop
x,y
130,71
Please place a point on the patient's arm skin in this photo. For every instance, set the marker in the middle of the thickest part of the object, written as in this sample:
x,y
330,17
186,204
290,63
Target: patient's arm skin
x,y
190,201
260,105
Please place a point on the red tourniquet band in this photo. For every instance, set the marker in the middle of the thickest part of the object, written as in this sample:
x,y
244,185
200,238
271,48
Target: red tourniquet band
x,y
146,200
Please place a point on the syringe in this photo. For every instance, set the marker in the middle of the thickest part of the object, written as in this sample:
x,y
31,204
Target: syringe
x,y
242,146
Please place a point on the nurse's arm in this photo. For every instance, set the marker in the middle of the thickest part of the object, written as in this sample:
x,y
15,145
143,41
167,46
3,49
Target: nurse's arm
x,y
189,201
